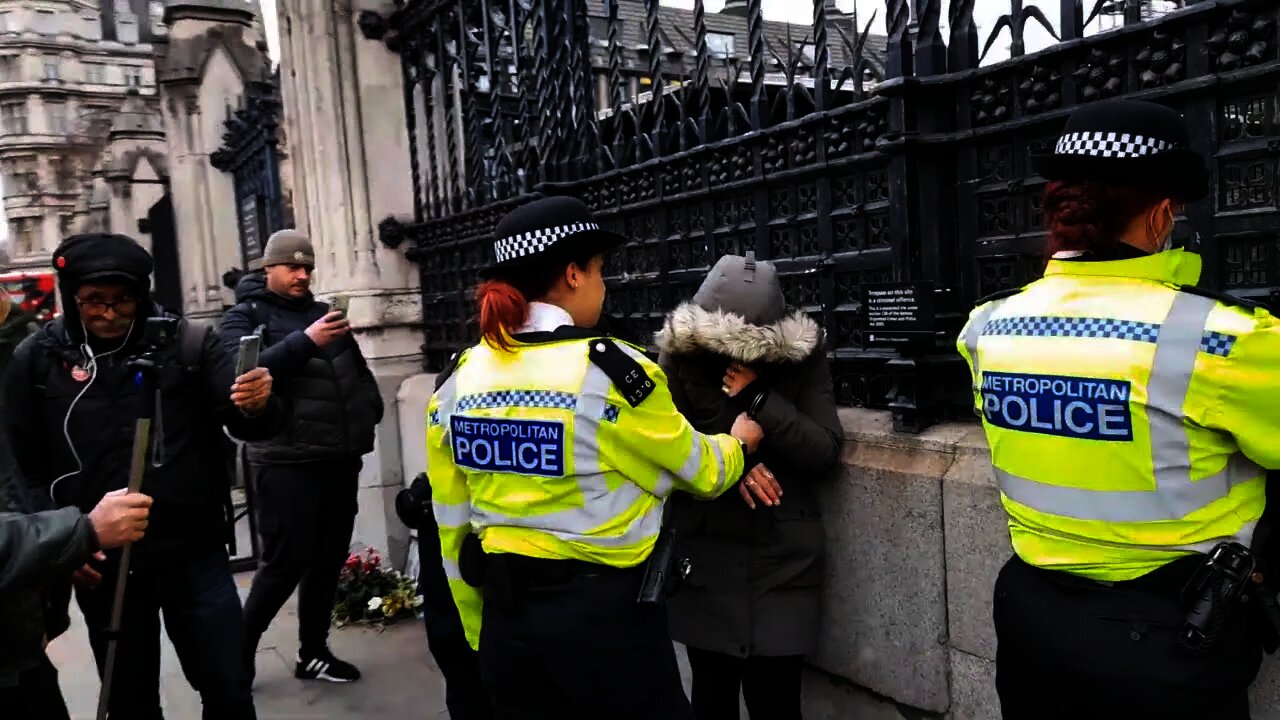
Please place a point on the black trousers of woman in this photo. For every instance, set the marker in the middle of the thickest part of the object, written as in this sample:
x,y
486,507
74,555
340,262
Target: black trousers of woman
x,y
1074,648
769,685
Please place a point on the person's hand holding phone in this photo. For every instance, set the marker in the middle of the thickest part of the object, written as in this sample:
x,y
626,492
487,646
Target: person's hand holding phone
x,y
251,391
328,328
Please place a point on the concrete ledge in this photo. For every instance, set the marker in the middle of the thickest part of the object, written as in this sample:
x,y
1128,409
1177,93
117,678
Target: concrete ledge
x,y
884,617
411,404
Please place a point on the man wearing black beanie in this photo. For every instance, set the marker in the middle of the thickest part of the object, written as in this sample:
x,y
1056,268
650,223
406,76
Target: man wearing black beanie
x,y
70,412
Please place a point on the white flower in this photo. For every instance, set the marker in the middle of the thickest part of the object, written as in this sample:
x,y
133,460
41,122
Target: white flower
x,y
417,602
375,603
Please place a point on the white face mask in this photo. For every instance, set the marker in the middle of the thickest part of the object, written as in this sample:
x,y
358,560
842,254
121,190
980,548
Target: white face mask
x,y
1168,240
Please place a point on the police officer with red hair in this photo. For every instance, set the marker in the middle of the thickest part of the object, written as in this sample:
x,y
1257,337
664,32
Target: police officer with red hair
x,y
1132,420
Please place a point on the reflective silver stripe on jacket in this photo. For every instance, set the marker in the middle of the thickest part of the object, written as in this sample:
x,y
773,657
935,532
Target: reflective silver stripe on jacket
x,y
974,333
1176,495
453,515
452,570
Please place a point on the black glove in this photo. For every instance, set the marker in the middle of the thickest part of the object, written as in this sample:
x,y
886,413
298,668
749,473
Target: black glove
x,y
413,504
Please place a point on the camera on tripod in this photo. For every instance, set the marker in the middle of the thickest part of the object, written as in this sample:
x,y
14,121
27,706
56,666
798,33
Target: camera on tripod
x,y
159,333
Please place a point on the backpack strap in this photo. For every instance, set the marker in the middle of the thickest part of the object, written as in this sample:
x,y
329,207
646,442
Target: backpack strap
x,y
191,343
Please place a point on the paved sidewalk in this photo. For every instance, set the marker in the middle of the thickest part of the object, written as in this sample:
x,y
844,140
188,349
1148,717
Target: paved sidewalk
x,y
400,679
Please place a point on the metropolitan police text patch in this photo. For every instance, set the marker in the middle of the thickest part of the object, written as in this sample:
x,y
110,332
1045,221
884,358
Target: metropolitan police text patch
x,y
523,447
1074,407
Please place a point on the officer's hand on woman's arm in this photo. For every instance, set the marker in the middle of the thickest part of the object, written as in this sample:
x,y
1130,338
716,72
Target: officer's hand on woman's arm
x,y
251,391
747,431
758,481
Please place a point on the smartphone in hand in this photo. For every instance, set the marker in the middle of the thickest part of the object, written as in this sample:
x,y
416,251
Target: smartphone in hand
x,y
340,303
247,357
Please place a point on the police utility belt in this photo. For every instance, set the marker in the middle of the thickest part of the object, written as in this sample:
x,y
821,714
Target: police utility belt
x,y
508,574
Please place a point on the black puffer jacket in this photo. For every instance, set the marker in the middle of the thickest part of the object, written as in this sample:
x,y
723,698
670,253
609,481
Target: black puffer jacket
x,y
34,550
333,396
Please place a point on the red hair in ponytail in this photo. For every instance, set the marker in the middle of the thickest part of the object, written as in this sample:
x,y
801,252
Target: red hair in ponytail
x,y
503,309
1091,217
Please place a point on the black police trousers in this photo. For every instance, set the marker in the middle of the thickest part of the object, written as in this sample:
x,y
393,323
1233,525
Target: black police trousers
x,y
576,648
1074,648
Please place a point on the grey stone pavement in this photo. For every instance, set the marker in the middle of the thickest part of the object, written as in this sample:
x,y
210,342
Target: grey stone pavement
x,y
400,679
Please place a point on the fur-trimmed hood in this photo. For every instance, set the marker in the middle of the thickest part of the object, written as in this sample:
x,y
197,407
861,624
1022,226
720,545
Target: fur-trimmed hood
x,y
690,328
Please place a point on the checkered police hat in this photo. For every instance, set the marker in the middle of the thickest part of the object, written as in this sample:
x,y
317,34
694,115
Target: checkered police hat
x,y
1128,142
553,227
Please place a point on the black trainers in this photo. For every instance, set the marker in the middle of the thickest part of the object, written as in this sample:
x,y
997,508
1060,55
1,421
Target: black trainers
x,y
324,666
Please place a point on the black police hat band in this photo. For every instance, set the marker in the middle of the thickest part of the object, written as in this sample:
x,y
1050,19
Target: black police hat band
x,y
1110,145
532,243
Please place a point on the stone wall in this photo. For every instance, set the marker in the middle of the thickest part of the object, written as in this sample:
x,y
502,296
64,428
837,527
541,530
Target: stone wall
x,y
916,537
349,149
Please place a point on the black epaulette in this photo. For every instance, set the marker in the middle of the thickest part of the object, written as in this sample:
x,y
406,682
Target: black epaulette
x,y
452,365
1224,298
998,296
627,374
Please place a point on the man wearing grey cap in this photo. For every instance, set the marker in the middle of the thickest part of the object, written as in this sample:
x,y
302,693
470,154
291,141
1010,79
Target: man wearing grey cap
x,y
306,478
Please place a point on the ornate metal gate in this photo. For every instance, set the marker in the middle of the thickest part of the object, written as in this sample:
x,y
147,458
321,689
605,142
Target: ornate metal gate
x,y
251,153
849,159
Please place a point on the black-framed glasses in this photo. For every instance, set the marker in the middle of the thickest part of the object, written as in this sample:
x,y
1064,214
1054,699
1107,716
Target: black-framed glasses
x,y
100,307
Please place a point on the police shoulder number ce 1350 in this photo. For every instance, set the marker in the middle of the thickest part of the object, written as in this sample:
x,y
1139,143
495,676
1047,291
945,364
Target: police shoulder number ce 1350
x,y
501,445
1074,407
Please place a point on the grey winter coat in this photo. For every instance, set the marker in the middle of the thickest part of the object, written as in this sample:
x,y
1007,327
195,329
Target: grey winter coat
x,y
755,581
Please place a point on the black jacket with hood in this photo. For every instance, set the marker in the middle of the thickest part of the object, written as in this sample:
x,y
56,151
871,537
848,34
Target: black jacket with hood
x,y
756,575
71,408
334,399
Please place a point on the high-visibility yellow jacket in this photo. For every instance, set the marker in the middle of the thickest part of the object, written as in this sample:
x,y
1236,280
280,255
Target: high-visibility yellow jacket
x,y
1130,421
540,453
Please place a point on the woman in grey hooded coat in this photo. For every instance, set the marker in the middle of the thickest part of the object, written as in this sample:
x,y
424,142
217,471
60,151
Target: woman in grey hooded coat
x,y
749,609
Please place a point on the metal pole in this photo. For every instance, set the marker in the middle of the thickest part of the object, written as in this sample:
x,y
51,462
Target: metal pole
x,y
137,468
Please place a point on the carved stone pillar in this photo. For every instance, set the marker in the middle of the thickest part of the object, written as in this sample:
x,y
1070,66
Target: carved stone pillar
x,y
344,125
201,69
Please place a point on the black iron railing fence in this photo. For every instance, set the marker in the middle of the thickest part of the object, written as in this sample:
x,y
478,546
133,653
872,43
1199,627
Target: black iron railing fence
x,y
852,160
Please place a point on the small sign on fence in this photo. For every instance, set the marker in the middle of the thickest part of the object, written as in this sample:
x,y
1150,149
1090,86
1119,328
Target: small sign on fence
x,y
896,314
251,243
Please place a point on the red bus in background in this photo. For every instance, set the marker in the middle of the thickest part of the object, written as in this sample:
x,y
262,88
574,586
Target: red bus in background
x,y
34,291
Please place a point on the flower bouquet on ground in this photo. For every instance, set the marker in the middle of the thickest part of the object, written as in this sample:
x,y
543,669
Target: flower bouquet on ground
x,y
370,594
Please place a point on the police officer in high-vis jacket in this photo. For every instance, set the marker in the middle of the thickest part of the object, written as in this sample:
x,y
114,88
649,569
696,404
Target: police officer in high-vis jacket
x,y
557,447
1131,418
